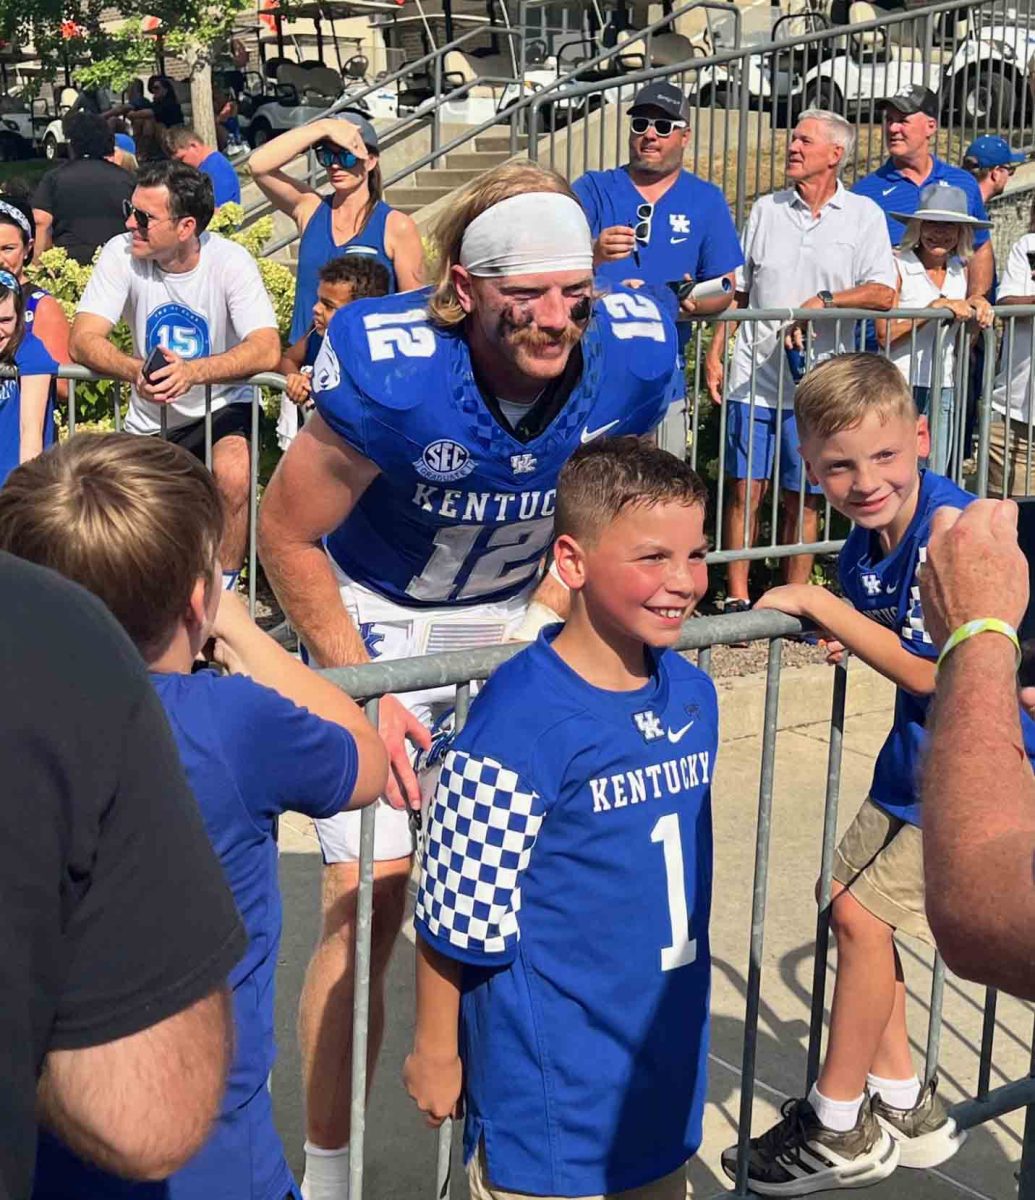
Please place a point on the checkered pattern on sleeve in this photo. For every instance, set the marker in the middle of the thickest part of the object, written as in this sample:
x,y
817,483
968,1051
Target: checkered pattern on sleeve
x,y
482,825
913,629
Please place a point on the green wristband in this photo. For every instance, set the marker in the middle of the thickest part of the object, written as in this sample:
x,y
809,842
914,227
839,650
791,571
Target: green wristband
x,y
973,628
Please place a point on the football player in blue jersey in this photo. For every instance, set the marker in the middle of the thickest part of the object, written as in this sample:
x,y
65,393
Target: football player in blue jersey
x,y
580,786
867,1112
414,510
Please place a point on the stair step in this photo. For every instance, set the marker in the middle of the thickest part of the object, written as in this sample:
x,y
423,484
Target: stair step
x,y
408,209
474,163
500,142
443,177
418,196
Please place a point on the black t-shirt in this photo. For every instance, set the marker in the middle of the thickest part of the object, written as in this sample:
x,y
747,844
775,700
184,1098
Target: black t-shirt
x,y
116,914
84,197
167,111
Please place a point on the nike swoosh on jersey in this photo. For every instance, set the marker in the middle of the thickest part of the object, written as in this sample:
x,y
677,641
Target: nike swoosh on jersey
x,y
677,734
888,191
676,241
588,435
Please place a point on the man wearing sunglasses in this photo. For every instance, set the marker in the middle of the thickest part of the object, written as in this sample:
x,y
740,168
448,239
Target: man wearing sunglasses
x,y
655,223
196,300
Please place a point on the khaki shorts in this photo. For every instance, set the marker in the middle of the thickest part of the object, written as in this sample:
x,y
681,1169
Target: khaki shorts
x,y
671,1187
881,862
1021,481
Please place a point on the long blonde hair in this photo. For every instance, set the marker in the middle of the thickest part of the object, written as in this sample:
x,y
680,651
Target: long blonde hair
x,y
509,179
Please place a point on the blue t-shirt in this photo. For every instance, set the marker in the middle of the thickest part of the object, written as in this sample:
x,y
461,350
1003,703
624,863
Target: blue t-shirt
x,y
31,358
225,184
462,511
692,232
250,755
892,192
887,590
568,867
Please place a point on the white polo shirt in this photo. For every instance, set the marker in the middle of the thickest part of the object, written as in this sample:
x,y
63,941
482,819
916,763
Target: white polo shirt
x,y
195,314
1013,390
789,256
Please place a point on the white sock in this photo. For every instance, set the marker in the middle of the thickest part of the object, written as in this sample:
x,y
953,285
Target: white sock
x,y
230,580
326,1173
899,1093
839,1115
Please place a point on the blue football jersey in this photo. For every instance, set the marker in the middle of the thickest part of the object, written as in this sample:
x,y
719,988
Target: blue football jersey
x,y
887,590
568,866
462,510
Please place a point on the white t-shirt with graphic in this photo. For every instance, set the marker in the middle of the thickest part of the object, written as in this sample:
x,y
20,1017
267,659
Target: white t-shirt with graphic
x,y
195,314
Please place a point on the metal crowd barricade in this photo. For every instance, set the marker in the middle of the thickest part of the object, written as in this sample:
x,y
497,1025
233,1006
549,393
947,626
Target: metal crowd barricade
x,y
77,376
462,668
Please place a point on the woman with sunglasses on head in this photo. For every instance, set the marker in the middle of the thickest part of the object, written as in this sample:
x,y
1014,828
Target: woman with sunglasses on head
x,y
43,314
352,219
26,406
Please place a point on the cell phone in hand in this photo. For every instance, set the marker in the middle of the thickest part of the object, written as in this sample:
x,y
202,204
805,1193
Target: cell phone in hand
x,y
154,362
1031,261
681,287
1026,632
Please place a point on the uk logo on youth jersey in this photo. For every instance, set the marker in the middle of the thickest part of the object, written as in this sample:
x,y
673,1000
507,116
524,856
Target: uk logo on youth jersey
x,y
872,585
648,724
179,330
444,461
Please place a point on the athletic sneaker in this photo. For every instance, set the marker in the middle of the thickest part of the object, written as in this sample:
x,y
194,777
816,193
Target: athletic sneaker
x,y
926,1134
737,606
800,1155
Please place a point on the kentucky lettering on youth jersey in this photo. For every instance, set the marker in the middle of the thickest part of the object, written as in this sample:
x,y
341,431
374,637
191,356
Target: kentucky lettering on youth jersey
x,y
462,511
568,866
887,590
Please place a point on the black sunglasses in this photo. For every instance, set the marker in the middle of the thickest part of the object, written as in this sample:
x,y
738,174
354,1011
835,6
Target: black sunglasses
x,y
143,219
332,156
662,126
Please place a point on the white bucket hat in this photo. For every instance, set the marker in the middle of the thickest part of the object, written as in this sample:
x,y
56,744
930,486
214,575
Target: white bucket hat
x,y
942,202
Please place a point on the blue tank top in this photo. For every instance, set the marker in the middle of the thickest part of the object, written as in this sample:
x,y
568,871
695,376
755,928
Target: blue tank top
x,y
31,297
318,246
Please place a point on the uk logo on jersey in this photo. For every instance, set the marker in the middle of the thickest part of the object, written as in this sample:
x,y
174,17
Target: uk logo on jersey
x,y
649,725
872,585
679,222
444,461
326,369
522,464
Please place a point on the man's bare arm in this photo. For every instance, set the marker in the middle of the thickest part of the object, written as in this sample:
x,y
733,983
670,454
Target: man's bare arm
x,y
980,271
141,1106
314,488
259,351
89,346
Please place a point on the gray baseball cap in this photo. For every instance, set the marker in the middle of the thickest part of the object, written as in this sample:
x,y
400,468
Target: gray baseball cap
x,y
942,202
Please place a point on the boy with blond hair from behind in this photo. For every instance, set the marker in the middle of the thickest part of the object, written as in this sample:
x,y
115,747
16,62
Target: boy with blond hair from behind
x,y
862,441
562,916
138,522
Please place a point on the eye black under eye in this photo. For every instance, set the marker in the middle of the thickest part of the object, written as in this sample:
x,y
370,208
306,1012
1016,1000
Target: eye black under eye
x,y
581,309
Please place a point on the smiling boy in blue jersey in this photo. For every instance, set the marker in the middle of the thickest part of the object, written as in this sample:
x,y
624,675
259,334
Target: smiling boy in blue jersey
x,y
867,1112
583,773
96,509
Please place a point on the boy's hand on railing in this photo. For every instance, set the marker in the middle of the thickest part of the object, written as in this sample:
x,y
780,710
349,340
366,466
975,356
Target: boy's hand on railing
x,y
835,651
435,1085
299,388
396,724
794,599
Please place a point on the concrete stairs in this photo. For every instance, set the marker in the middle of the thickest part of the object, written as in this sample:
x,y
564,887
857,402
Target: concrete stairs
x,y
431,184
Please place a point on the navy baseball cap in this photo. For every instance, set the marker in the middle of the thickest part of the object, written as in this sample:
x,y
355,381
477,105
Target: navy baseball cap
x,y
991,151
664,96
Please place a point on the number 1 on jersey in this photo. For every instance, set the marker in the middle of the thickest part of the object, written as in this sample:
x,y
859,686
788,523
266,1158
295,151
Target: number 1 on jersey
x,y
683,950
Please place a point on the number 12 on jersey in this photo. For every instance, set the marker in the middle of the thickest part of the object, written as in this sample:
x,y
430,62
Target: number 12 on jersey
x,y
683,949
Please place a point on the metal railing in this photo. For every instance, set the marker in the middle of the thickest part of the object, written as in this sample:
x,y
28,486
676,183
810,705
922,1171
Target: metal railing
x,y
744,101
460,669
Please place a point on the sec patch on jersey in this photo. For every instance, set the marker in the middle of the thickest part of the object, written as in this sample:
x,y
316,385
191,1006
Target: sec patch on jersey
x,y
444,461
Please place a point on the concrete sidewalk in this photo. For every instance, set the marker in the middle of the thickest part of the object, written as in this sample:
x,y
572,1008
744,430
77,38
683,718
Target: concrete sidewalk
x,y
400,1153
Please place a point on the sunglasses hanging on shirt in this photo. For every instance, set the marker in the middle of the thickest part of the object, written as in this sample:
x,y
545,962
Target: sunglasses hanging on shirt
x,y
644,221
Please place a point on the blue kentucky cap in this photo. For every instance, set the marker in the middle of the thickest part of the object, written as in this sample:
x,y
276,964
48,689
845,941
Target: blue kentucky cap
x,y
991,151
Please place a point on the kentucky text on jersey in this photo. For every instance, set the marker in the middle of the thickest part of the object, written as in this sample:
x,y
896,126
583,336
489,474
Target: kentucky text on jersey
x,y
462,511
668,778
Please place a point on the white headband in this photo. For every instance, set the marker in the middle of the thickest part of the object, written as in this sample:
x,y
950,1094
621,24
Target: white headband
x,y
527,234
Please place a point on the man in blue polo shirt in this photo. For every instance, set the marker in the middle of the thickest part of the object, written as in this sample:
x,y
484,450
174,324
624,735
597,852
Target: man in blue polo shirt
x,y
655,223
910,122
183,144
